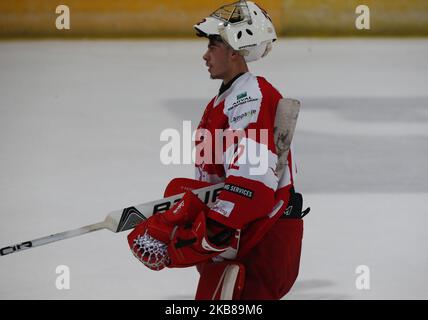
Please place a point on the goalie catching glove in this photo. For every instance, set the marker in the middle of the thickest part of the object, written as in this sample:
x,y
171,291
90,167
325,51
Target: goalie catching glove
x,y
179,237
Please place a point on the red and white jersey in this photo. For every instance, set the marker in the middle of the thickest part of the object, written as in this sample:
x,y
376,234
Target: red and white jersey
x,y
249,106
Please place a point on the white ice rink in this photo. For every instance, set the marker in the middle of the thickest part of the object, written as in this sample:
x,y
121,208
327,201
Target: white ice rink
x,y
79,137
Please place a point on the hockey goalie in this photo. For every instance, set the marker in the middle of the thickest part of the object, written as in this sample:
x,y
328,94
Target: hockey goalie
x,y
248,244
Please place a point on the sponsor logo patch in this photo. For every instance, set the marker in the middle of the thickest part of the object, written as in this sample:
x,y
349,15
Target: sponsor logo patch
x,y
239,190
223,207
243,115
241,95
242,99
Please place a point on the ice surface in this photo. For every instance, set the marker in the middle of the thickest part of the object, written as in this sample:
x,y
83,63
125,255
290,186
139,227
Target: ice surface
x,y
79,137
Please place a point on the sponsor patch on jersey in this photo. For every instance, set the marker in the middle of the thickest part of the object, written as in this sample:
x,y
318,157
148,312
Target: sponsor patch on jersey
x,y
241,101
241,95
243,115
239,190
223,207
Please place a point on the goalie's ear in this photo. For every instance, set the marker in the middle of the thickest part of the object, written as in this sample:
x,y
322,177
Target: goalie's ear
x,y
181,185
286,116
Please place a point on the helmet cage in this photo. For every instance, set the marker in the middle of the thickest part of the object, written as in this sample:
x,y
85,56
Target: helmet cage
x,y
237,12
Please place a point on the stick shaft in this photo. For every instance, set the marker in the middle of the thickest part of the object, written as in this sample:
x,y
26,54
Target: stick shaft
x,y
52,238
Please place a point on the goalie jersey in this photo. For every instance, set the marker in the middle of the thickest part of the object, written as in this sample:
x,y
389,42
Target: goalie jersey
x,y
235,145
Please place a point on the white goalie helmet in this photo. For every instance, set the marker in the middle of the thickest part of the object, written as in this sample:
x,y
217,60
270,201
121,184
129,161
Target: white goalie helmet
x,y
243,25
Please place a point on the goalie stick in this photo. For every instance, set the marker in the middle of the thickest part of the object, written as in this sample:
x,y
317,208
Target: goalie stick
x,y
128,218
119,220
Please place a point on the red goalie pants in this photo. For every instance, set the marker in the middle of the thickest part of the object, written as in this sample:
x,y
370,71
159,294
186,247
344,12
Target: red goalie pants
x,y
271,267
